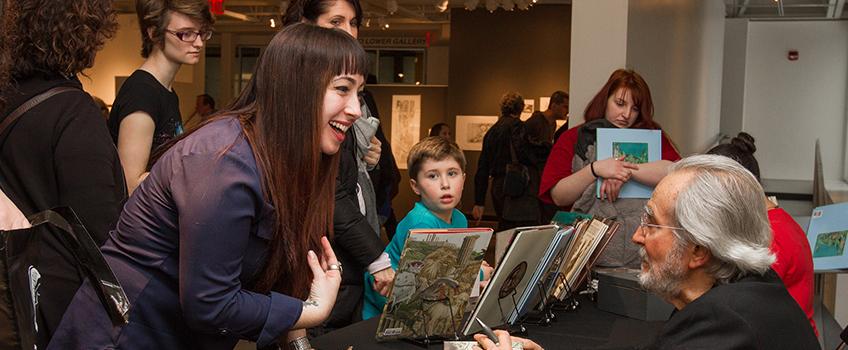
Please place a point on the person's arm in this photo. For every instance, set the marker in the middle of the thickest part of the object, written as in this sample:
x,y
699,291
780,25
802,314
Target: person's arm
x,y
88,174
135,139
216,216
568,189
11,218
651,173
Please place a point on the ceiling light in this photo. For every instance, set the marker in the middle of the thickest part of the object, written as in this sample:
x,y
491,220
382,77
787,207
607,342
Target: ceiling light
x,y
367,22
400,75
273,23
442,6
491,5
470,5
507,5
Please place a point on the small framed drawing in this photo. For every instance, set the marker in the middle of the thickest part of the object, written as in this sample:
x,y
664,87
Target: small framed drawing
x,y
470,130
637,146
529,107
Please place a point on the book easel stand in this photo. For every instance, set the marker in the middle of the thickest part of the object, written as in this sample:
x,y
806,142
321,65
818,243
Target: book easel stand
x,y
509,291
569,303
428,338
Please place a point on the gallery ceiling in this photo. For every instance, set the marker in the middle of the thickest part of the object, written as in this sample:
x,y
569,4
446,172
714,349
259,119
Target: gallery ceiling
x,y
256,15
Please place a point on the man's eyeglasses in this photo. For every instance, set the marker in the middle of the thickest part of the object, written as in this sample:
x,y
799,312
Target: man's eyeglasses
x,y
644,222
190,36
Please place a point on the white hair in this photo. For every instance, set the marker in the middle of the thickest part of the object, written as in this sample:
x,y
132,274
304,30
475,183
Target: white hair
x,y
723,209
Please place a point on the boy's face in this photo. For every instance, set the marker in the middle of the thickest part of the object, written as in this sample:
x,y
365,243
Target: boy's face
x,y
439,183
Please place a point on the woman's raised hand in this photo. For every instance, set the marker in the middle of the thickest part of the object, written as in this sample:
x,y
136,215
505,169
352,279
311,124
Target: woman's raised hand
x,y
615,168
326,278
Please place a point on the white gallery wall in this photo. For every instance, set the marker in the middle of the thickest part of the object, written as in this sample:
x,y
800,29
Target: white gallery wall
x,y
677,46
596,50
787,105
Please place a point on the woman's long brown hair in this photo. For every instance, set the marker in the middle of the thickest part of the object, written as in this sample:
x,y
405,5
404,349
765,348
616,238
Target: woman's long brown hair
x,y
281,114
633,82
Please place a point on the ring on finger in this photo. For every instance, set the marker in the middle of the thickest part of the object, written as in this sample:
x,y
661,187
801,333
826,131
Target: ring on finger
x,y
337,267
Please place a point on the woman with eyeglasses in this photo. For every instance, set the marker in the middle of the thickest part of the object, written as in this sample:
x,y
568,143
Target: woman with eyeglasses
x,y
146,112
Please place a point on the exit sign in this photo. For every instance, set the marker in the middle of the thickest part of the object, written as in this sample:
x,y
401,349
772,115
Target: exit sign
x,y
216,6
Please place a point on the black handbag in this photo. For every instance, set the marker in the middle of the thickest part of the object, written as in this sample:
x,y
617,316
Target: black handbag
x,y
25,255
517,177
20,275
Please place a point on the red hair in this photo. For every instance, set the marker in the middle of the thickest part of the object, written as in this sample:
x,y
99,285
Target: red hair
x,y
638,88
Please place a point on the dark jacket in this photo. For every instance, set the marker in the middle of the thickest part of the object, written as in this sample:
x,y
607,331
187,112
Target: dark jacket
x,y
755,312
60,154
186,250
355,243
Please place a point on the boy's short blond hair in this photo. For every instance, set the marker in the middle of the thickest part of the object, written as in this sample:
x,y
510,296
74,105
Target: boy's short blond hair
x,y
435,148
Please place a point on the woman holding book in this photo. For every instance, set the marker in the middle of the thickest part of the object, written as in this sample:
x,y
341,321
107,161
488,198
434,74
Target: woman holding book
x,y
570,173
208,260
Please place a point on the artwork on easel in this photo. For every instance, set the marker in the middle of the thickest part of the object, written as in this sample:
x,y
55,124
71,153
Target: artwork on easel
x,y
470,130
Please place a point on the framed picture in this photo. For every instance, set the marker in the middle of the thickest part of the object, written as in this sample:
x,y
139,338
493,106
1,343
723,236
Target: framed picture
x,y
470,130
406,125
544,102
529,107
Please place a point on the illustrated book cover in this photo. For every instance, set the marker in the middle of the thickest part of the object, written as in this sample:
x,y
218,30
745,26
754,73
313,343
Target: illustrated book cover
x,y
827,234
637,146
511,278
436,273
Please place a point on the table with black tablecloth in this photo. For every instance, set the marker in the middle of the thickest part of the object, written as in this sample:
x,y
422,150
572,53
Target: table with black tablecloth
x,y
586,328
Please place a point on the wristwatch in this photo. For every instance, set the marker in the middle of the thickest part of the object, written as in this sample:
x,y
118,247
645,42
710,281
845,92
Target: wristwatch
x,y
301,343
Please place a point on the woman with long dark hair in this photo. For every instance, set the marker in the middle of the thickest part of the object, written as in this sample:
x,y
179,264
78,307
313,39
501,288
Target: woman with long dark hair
x,y
217,244
356,224
572,168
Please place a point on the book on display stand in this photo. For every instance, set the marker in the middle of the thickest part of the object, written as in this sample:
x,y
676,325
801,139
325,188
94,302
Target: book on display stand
x,y
827,234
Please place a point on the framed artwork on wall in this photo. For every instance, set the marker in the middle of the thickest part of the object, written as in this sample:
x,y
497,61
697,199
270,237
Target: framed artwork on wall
x,y
470,130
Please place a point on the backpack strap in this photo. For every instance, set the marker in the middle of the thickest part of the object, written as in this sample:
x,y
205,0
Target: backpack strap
x,y
29,104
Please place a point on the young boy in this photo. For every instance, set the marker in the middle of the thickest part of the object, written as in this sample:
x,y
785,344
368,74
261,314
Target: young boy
x,y
437,174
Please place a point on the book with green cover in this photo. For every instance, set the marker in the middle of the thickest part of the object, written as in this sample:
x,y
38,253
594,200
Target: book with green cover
x,y
437,270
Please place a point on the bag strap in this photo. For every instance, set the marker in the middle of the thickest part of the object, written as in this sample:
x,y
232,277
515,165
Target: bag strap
x,y
512,149
32,102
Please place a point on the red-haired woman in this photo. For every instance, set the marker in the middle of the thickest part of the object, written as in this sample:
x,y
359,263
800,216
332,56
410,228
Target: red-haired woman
x,y
571,170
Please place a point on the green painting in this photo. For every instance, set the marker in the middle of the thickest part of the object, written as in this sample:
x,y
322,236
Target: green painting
x,y
633,152
830,244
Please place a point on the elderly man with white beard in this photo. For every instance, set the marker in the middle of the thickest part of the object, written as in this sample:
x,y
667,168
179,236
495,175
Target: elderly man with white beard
x,y
705,239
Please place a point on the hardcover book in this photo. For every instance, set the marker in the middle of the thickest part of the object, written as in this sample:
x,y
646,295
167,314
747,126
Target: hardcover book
x,y
541,280
827,234
637,146
511,278
437,270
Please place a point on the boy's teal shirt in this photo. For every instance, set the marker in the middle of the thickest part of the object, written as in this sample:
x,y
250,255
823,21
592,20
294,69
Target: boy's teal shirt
x,y
418,218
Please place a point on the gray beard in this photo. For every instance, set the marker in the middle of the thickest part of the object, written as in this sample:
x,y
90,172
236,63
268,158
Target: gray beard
x,y
663,279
